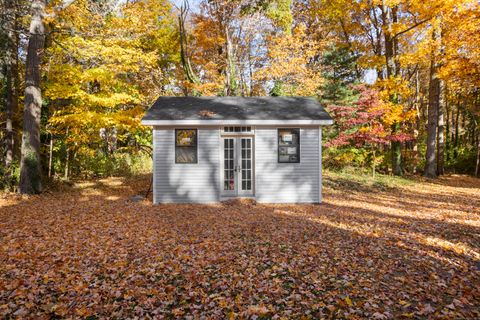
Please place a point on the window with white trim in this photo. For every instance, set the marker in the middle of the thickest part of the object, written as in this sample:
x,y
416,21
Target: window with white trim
x,y
233,129
289,145
186,146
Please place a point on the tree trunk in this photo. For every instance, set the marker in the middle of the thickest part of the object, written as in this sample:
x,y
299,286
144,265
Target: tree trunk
x,y
416,129
441,138
448,138
457,121
432,124
230,72
250,70
67,165
11,85
477,167
473,130
67,157
30,167
396,153
50,156
389,16
388,19
184,54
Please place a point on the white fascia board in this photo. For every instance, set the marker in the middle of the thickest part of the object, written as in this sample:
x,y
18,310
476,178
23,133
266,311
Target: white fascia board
x,y
235,122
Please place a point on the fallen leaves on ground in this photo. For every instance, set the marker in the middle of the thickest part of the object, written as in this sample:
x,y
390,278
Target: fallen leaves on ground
x,y
412,252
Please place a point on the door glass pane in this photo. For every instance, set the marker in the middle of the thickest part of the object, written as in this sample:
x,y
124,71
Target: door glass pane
x,y
246,163
228,173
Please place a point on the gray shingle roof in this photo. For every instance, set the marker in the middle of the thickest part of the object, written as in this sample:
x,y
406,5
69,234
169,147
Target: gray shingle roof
x,y
235,109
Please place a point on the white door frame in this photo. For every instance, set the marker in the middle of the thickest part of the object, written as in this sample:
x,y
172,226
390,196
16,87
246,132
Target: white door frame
x,y
238,170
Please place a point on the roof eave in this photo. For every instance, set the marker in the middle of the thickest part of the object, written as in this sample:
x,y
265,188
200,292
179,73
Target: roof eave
x,y
166,123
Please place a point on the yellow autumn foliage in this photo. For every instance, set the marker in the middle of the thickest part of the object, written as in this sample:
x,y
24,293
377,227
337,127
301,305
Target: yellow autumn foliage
x,y
103,69
290,62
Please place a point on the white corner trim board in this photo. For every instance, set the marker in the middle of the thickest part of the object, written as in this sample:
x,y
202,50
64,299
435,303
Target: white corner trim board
x,y
234,122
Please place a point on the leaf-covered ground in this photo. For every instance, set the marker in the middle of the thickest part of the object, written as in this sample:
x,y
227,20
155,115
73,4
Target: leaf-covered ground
x,y
378,253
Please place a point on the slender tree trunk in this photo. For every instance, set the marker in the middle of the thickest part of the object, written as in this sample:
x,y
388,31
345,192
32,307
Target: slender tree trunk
x,y
473,131
67,158
448,138
11,85
50,157
432,124
230,72
30,167
389,16
457,122
441,137
396,153
374,162
184,54
477,167
416,130
250,70
67,165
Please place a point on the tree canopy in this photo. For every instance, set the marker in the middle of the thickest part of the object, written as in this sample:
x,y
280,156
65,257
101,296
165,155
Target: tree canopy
x,y
102,63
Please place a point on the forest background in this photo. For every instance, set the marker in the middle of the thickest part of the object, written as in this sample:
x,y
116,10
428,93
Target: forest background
x,y
401,78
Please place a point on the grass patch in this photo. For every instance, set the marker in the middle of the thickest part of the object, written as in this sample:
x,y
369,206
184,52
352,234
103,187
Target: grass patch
x,y
354,179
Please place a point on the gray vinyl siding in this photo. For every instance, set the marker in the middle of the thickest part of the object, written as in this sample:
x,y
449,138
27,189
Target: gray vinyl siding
x,y
287,182
186,183
273,182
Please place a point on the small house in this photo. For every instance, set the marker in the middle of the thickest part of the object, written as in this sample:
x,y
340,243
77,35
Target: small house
x,y
210,149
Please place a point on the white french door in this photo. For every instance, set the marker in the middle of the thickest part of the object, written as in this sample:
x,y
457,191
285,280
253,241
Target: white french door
x,y
237,171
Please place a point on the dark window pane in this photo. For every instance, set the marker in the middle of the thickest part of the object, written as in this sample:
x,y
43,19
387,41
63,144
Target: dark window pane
x,y
186,146
289,145
186,137
249,185
186,155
